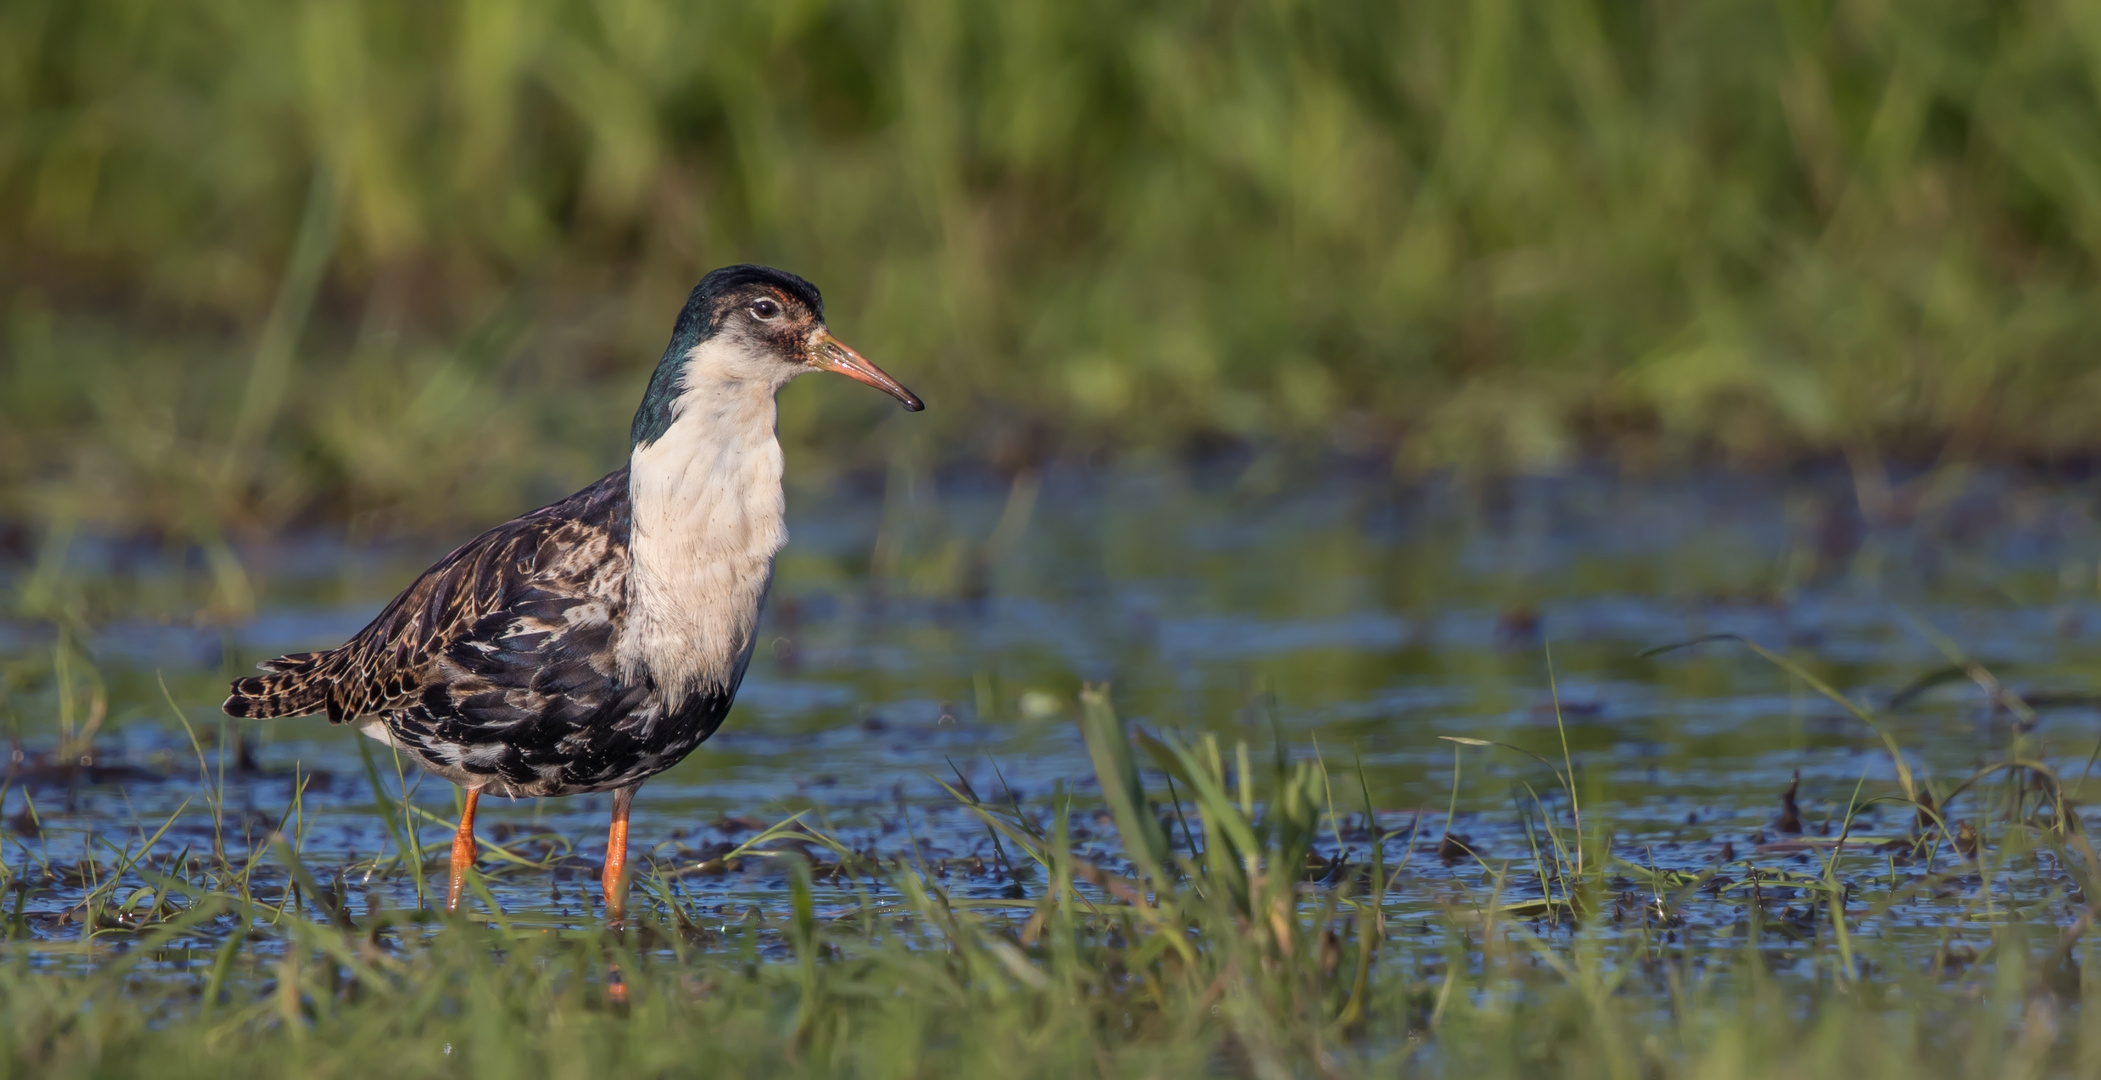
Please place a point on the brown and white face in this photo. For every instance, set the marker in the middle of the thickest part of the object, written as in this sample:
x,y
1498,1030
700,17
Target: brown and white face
x,y
767,331
744,329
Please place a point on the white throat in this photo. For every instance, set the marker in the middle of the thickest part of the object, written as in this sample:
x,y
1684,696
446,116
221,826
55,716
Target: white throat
x,y
708,520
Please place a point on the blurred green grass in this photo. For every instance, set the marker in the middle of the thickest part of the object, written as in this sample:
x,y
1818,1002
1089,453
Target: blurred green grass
x,y
404,265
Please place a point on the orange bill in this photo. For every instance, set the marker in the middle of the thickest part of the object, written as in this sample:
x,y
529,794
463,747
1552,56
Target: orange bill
x,y
831,354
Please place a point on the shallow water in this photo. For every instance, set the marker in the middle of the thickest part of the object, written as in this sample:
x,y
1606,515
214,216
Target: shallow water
x,y
929,631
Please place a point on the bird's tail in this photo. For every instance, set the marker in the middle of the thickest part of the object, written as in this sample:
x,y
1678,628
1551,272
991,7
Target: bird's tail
x,y
298,684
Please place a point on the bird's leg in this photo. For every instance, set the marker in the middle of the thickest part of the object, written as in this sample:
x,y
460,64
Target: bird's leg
x,y
463,852
614,881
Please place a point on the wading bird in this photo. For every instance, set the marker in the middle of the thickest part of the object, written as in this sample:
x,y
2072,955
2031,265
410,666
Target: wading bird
x,y
592,644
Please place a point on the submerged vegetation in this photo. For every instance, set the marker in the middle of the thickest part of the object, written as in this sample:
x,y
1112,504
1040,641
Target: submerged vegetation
x,y
404,264
1259,917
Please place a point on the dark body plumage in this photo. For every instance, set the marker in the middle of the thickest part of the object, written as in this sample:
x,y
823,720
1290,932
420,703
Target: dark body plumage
x,y
498,665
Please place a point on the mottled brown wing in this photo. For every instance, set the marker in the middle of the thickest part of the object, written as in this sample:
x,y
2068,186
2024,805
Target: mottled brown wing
x,y
552,566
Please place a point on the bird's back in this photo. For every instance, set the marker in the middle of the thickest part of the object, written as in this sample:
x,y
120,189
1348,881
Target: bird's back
x,y
532,573
499,663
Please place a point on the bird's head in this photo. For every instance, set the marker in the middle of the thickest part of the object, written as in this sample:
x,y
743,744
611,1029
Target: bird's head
x,y
751,327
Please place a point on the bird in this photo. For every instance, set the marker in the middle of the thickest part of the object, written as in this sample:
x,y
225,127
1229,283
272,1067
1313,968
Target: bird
x,y
593,643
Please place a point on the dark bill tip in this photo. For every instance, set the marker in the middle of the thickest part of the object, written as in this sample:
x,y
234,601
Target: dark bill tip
x,y
833,355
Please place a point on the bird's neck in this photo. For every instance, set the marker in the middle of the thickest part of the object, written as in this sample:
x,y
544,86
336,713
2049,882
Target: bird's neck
x,y
708,520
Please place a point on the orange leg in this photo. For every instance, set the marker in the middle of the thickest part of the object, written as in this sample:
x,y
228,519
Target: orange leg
x,y
614,881
463,851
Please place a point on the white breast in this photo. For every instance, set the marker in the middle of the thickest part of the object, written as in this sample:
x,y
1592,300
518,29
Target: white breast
x,y
708,520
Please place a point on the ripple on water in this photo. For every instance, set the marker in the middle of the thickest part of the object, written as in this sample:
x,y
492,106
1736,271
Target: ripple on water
x,y
1368,619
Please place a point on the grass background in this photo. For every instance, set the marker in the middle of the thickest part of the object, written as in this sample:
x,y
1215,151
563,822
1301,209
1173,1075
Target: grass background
x,y
405,264
392,266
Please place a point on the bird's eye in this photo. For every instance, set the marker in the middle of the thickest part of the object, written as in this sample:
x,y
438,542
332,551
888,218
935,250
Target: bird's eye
x,y
765,309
